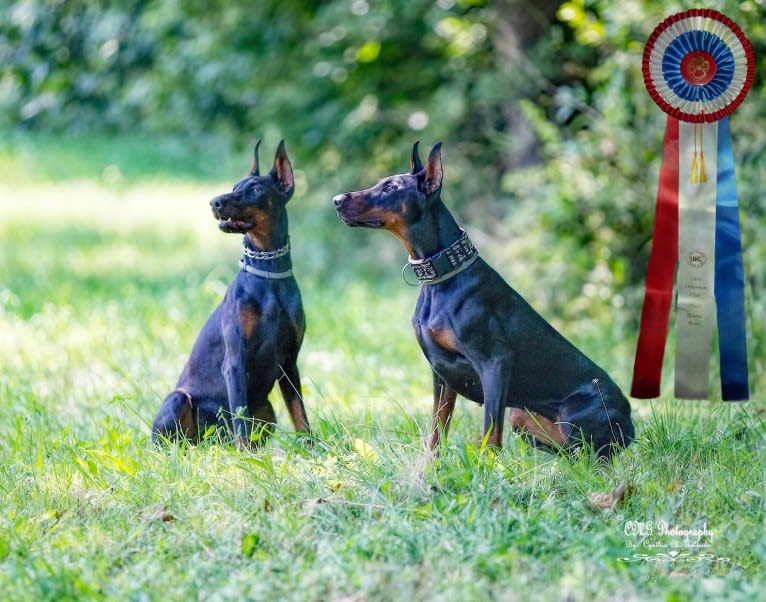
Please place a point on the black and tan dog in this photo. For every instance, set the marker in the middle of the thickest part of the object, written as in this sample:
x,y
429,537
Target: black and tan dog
x,y
481,338
252,338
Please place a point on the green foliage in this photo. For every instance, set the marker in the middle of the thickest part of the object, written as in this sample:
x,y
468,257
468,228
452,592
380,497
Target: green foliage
x,y
542,108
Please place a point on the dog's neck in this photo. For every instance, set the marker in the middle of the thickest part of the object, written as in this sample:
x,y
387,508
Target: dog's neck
x,y
267,256
433,232
270,232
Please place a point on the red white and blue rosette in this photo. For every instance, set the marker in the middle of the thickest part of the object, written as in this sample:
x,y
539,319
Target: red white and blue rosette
x,y
698,67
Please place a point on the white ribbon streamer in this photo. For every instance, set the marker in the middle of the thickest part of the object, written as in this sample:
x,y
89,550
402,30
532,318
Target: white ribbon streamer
x,y
696,257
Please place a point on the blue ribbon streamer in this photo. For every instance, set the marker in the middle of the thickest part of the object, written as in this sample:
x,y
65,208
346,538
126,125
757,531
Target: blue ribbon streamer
x,y
729,275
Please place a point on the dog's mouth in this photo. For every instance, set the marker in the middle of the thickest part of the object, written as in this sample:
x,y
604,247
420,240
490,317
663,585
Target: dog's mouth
x,y
229,215
370,223
367,223
355,222
232,226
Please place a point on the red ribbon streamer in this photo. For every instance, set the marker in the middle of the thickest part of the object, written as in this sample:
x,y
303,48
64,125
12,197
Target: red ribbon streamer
x,y
653,331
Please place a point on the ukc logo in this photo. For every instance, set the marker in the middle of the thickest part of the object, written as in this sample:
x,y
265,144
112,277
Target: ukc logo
x,y
696,259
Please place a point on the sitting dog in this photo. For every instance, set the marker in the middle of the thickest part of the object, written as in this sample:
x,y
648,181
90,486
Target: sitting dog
x,y
480,337
253,337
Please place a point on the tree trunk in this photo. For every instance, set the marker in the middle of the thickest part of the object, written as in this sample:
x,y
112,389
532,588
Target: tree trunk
x,y
518,26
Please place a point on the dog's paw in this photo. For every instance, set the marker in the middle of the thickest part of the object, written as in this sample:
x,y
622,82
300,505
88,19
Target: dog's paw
x,y
306,439
243,444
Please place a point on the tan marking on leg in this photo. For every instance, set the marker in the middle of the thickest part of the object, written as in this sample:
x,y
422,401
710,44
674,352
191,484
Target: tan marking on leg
x,y
294,401
532,423
444,405
298,415
495,438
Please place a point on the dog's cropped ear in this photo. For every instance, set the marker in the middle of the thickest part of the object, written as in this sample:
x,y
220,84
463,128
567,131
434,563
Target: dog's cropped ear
x,y
255,170
416,165
430,181
282,172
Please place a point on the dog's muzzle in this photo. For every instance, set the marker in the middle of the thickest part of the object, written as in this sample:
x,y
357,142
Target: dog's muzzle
x,y
341,207
350,215
227,221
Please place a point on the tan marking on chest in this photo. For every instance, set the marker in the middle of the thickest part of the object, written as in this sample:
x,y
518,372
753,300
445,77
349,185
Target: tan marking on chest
x,y
248,320
444,337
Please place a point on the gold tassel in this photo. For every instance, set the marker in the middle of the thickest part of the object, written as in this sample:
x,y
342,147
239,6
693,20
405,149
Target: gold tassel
x,y
694,176
698,174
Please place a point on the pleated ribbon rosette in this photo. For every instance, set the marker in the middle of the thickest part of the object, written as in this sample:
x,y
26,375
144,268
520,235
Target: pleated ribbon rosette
x,y
698,67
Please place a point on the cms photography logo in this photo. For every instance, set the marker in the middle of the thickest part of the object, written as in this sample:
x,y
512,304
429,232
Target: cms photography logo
x,y
680,544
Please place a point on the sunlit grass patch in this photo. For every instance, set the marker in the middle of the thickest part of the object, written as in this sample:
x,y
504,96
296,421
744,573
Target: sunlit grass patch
x,y
102,294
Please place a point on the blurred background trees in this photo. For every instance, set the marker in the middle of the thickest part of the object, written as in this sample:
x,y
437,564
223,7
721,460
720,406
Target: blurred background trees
x,y
549,134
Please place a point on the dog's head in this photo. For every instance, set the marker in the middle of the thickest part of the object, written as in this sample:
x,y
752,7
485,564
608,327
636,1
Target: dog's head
x,y
398,201
254,200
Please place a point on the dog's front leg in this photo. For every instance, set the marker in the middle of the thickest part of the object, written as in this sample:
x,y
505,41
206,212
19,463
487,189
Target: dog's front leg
x,y
234,374
444,405
290,386
495,378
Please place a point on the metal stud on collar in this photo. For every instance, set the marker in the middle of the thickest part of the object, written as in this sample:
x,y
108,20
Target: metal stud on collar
x,y
446,263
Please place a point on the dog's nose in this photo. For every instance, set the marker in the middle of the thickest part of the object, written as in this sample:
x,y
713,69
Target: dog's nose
x,y
338,200
216,203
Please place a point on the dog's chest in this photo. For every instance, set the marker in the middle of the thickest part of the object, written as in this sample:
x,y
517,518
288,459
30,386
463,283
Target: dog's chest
x,y
278,321
441,346
451,366
269,315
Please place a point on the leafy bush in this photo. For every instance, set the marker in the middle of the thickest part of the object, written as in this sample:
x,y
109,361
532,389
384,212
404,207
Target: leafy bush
x,y
546,123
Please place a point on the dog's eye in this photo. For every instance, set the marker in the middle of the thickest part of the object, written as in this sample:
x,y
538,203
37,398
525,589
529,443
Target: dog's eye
x,y
388,187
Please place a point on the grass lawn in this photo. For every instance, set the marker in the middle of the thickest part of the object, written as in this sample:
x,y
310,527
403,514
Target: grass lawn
x,y
105,281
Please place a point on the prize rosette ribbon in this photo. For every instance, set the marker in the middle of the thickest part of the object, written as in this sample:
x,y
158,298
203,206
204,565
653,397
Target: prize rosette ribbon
x,y
698,67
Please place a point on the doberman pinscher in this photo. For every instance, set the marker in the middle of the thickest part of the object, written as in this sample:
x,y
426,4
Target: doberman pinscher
x,y
480,337
252,338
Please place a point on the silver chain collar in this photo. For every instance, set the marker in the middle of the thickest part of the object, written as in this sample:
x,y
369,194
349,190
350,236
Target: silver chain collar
x,y
256,254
